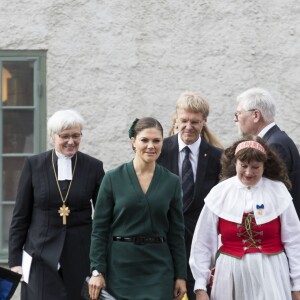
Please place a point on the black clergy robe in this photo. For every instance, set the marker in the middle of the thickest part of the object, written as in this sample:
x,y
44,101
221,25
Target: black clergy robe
x,y
37,226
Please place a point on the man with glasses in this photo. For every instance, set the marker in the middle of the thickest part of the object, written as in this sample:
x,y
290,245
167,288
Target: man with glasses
x,y
191,155
255,115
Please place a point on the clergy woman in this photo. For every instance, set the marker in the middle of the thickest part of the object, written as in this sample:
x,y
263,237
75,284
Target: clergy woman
x,y
49,239
137,248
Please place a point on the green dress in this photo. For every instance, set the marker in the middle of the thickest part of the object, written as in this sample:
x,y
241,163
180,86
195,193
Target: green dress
x,y
139,272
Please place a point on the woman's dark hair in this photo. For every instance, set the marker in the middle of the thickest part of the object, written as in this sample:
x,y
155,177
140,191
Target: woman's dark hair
x,y
139,125
274,167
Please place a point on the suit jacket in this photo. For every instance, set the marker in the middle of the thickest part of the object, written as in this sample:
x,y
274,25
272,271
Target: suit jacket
x,y
37,226
280,142
207,176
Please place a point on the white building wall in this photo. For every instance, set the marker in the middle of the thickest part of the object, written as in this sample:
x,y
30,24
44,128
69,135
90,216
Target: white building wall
x,y
117,60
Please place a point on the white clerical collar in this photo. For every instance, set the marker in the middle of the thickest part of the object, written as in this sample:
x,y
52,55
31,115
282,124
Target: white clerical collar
x,y
193,147
64,167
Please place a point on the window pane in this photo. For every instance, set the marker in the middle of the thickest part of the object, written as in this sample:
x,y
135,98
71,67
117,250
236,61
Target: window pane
x,y
12,167
17,83
7,211
22,124
18,131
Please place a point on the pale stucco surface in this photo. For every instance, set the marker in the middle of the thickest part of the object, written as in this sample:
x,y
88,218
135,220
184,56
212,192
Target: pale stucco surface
x,y
117,60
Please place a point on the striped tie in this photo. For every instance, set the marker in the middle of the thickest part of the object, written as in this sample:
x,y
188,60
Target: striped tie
x,y
187,179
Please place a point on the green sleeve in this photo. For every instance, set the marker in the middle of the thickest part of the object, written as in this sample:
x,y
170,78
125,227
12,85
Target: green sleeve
x,y
176,233
101,225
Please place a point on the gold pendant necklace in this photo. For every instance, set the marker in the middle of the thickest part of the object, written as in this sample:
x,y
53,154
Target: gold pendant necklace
x,y
64,210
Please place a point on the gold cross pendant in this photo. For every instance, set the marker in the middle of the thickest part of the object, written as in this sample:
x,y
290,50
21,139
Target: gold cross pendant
x,y
64,213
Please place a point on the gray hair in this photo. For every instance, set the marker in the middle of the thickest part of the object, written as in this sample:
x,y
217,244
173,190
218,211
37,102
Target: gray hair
x,y
260,99
64,119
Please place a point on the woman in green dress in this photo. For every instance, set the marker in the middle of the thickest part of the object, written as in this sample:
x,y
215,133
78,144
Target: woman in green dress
x,y
137,248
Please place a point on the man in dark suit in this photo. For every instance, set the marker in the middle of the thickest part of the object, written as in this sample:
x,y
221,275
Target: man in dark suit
x,y
255,115
192,111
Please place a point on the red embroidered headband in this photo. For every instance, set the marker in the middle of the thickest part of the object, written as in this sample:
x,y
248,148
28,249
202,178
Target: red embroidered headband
x,y
250,144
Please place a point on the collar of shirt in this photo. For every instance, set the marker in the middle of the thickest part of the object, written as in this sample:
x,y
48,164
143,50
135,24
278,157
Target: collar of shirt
x,y
193,155
64,167
266,129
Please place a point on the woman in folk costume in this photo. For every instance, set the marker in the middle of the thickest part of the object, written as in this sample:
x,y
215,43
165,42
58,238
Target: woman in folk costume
x,y
254,214
137,248
51,224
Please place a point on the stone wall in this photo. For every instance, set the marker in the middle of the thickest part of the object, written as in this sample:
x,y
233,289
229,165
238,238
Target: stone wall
x,y
117,60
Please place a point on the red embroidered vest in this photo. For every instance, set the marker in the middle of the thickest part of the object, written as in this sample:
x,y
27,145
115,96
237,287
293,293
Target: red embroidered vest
x,y
248,237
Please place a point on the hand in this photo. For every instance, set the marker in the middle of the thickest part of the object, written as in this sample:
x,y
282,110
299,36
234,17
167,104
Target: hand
x,y
18,269
295,295
96,283
202,295
179,289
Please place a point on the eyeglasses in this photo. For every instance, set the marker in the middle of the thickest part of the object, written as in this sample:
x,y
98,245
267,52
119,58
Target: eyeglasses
x,y
238,112
192,122
67,137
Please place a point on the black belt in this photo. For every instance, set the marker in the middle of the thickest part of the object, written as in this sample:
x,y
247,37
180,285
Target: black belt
x,y
140,240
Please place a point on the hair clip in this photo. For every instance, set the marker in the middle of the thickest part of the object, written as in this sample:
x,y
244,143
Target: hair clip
x,y
131,131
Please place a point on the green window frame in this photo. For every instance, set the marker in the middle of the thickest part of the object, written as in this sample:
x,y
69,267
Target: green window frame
x,y
23,124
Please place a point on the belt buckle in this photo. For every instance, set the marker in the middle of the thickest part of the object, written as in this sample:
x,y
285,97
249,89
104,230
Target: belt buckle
x,y
140,240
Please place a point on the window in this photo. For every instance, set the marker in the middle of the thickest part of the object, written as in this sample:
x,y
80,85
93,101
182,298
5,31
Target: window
x,y
23,124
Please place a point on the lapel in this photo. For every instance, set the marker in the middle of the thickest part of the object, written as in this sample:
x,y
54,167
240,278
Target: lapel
x,y
173,150
48,165
201,166
47,177
270,132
